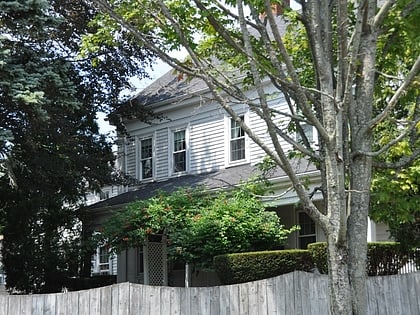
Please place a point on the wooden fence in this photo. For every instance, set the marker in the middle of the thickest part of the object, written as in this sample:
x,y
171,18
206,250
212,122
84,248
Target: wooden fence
x,y
294,293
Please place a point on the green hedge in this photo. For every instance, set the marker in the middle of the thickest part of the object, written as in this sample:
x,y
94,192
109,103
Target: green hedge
x,y
244,267
384,258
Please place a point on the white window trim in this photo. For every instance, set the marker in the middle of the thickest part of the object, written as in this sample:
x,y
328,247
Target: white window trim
x,y
138,159
171,132
228,162
96,268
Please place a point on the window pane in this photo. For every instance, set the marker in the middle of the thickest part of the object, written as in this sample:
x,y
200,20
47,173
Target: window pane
x,y
146,148
103,259
308,131
236,130
179,140
237,149
146,168
304,241
146,158
179,162
307,225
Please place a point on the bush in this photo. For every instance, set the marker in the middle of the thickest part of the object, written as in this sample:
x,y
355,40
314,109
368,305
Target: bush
x,y
383,258
251,266
318,252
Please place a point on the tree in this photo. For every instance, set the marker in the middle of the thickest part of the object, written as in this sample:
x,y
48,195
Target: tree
x,y
329,84
198,225
395,191
51,152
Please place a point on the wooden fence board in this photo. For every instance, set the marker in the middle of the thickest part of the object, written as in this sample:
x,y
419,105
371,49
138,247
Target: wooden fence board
x,y
135,299
224,300
295,294
262,297
49,304
105,295
115,299
14,305
83,302
372,297
124,299
4,303
214,301
175,301
94,302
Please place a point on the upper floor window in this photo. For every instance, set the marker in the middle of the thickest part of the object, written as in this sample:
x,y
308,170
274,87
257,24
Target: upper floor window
x,y
308,130
179,152
146,158
237,141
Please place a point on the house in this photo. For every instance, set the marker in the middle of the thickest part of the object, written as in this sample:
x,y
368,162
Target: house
x,y
195,142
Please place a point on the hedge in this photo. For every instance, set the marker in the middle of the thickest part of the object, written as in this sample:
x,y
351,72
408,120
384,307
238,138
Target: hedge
x,y
244,267
383,258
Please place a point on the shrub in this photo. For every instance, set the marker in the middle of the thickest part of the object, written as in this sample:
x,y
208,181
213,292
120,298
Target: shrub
x,y
251,266
318,252
383,258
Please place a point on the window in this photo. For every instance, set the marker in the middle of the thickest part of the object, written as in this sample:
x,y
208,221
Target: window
x,y
308,130
179,154
103,260
146,158
237,141
307,233
103,195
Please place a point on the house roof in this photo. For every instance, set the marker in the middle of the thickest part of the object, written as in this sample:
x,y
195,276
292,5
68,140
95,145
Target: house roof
x,y
221,179
173,84
169,86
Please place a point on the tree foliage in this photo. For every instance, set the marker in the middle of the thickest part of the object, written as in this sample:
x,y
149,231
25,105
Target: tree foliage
x,y
331,72
51,152
198,226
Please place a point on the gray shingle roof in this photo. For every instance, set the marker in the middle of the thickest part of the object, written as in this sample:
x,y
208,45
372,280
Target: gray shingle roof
x,y
221,179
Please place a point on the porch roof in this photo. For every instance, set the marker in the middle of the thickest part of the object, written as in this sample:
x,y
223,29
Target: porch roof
x,y
220,179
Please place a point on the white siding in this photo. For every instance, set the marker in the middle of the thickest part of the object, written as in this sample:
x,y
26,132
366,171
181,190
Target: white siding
x,y
131,157
162,153
207,146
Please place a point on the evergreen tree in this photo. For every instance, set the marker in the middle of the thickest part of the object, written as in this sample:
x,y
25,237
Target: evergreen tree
x,y
51,152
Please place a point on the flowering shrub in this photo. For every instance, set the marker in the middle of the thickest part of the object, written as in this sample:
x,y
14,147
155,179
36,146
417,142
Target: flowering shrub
x,y
198,225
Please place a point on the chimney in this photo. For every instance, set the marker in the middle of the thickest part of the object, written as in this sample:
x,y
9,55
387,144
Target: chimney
x,y
277,8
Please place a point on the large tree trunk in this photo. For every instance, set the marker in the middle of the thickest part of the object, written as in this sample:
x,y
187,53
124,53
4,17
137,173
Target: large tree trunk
x,y
339,284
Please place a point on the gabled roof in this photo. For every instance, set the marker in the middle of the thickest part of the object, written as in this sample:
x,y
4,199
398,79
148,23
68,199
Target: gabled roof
x,y
171,85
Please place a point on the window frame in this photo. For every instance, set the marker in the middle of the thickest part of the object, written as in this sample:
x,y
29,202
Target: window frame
x,y
229,140
172,151
150,158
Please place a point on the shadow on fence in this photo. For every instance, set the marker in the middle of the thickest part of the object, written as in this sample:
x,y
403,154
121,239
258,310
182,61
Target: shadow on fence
x,y
294,293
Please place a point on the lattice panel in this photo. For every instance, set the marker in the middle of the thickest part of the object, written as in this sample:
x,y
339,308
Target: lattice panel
x,y
156,263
